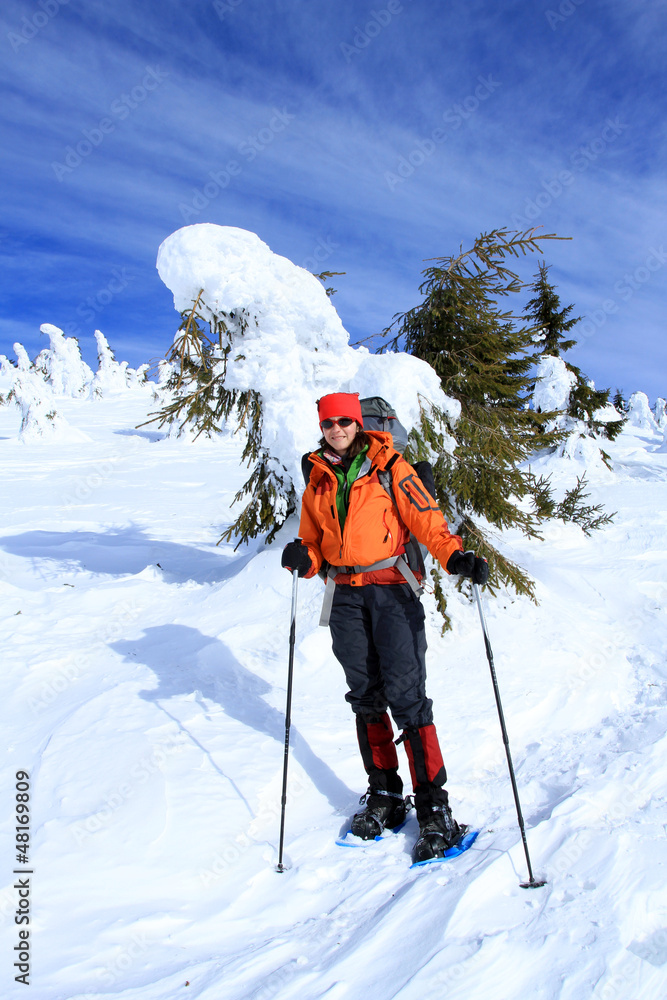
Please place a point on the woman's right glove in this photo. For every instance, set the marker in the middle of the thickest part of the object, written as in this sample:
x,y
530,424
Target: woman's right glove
x,y
295,557
468,564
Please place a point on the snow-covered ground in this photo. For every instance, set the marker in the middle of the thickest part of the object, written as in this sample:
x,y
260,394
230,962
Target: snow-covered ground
x,y
143,689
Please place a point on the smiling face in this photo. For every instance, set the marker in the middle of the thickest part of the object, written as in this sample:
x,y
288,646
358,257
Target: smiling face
x,y
340,438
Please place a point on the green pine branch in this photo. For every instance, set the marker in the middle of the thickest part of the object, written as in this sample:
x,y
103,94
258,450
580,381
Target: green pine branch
x,y
197,397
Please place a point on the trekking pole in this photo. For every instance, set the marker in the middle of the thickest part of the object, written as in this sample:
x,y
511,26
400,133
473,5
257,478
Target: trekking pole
x,y
288,716
532,883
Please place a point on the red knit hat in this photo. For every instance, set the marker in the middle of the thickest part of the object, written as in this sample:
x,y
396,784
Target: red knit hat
x,y
340,404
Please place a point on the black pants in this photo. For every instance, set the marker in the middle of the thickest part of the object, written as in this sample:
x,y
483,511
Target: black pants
x,y
379,638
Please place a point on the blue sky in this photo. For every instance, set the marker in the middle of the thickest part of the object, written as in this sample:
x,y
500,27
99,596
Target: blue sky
x,y
355,137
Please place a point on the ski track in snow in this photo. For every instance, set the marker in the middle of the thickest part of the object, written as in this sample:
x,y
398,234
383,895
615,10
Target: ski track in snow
x,y
143,688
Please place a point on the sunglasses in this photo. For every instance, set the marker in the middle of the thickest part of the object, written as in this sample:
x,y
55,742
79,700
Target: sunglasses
x,y
326,425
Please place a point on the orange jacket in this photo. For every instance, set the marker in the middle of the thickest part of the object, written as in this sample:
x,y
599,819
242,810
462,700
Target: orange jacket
x,y
374,528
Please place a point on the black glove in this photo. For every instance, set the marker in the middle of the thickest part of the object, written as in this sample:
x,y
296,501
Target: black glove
x,y
295,557
468,564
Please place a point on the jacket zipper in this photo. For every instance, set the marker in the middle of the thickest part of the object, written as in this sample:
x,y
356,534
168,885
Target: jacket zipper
x,y
389,534
334,514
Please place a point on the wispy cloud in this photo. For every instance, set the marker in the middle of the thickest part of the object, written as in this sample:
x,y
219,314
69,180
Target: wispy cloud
x,y
406,101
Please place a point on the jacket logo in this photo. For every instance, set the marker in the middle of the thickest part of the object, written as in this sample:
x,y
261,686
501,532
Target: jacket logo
x,y
412,488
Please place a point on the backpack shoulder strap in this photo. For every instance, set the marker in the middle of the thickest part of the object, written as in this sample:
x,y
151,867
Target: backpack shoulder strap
x,y
386,478
413,550
306,467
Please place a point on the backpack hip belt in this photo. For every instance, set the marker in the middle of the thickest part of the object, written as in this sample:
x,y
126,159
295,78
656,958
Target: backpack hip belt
x,y
398,561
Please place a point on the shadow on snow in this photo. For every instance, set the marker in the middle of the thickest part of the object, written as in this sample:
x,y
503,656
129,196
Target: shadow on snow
x,y
127,551
184,661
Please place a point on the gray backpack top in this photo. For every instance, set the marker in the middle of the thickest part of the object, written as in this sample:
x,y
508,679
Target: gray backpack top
x,y
379,415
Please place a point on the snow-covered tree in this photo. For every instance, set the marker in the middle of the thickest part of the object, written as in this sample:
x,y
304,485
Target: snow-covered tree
x,y
62,365
639,413
23,362
555,382
7,373
40,418
111,376
259,343
59,373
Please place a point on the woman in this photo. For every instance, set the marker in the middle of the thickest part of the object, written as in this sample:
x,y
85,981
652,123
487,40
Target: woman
x,y
357,528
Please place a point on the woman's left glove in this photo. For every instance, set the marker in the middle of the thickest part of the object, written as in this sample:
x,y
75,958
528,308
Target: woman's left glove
x,y
468,564
295,557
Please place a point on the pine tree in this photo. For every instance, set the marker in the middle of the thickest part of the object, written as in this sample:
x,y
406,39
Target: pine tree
x,y
619,401
585,401
551,321
484,360
552,324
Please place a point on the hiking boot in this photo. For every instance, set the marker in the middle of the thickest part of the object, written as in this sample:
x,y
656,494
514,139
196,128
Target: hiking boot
x,y
438,831
382,809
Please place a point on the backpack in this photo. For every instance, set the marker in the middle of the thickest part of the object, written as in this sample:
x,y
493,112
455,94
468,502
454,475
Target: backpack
x,y
379,415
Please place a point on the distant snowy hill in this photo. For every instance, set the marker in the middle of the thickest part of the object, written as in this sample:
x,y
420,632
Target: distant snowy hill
x,y
143,690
